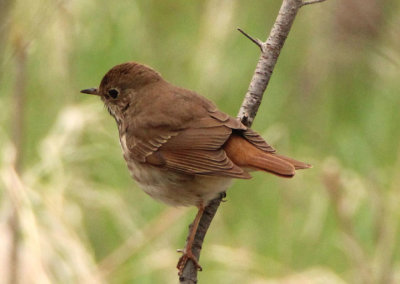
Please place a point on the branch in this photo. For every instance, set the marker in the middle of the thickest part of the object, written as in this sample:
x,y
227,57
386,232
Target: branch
x,y
258,42
189,275
267,60
311,2
269,55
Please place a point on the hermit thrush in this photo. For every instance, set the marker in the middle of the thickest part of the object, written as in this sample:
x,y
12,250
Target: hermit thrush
x,y
178,146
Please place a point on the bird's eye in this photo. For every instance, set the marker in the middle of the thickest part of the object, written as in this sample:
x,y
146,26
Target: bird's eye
x,y
113,93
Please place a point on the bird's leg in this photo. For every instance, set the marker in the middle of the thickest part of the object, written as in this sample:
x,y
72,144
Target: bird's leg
x,y
187,251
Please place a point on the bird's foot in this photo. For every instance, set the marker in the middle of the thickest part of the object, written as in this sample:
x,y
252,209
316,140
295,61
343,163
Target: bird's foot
x,y
187,255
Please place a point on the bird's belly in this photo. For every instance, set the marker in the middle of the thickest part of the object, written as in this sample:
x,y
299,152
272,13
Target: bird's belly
x,y
177,189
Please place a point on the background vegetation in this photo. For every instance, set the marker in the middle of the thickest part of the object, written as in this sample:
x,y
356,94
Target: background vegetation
x,y
69,211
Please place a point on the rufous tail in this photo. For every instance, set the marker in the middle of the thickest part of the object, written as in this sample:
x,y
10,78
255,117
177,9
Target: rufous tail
x,y
247,156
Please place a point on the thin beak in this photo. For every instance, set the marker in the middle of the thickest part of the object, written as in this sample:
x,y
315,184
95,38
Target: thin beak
x,y
91,91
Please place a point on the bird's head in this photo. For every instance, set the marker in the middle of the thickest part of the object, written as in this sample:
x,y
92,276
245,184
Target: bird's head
x,y
121,83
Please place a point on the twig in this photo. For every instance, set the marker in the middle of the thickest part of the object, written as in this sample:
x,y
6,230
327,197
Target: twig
x,y
311,2
248,110
267,60
258,42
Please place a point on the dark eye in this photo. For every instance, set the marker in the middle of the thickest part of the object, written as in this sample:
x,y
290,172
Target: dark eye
x,y
113,93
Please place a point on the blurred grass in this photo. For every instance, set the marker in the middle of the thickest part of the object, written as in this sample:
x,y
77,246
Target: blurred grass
x,y
333,101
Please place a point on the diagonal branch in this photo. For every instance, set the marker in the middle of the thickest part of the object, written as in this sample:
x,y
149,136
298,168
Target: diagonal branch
x,y
269,55
258,42
267,60
311,2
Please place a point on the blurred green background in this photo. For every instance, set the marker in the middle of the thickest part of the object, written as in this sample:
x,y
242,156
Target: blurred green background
x,y
70,212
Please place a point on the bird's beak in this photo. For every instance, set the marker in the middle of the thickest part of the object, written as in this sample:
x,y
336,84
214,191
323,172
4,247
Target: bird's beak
x,y
91,91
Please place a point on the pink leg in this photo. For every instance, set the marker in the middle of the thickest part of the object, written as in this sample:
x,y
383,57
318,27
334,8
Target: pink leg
x,y
187,252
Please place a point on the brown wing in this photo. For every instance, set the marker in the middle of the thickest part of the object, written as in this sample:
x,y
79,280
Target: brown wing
x,y
141,147
195,147
256,139
198,150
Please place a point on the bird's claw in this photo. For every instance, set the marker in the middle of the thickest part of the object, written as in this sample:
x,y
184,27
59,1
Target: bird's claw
x,y
187,255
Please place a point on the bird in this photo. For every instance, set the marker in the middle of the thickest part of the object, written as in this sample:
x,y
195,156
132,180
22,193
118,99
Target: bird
x,y
178,146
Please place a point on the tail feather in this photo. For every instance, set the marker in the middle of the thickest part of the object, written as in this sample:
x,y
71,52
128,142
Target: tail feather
x,y
247,156
297,164
272,164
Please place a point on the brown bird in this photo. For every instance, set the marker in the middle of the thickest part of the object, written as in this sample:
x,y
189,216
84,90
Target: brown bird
x,y
178,146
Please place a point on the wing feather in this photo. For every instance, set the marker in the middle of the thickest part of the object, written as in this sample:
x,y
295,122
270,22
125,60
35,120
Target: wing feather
x,y
187,139
256,139
195,148
213,163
